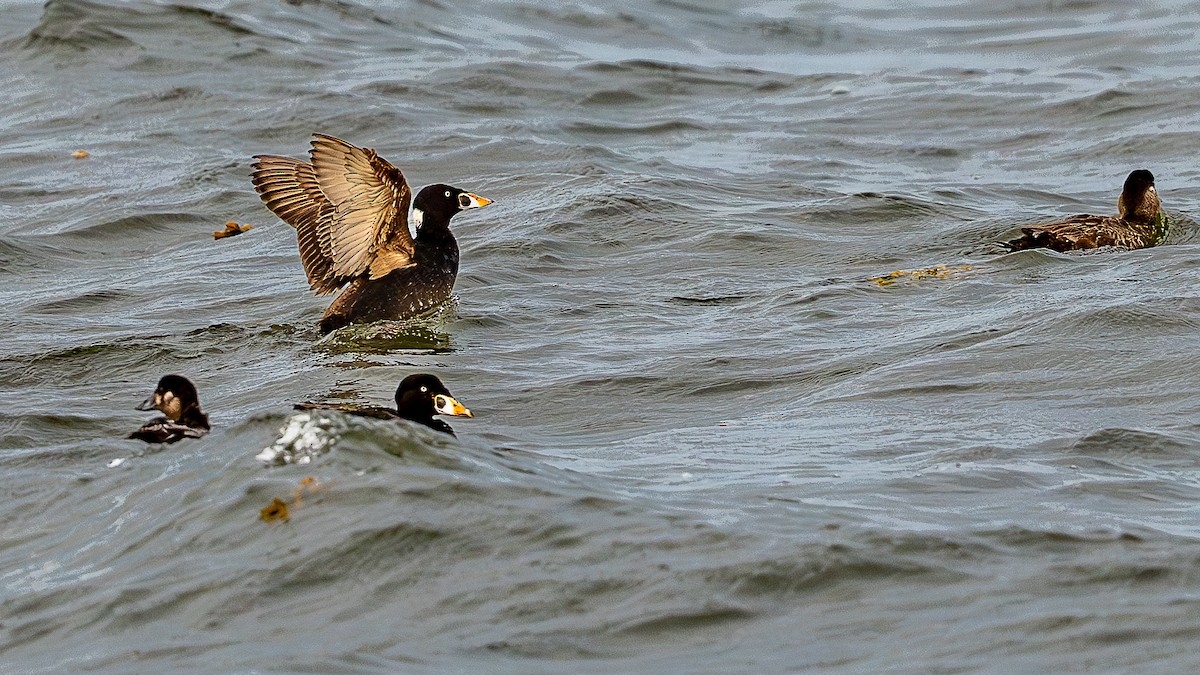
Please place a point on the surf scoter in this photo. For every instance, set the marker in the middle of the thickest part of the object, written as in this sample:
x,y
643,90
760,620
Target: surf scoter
x,y
350,210
176,397
1139,223
418,398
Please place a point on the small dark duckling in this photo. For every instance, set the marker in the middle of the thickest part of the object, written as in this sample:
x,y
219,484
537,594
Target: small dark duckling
x,y
418,398
350,210
1139,223
176,397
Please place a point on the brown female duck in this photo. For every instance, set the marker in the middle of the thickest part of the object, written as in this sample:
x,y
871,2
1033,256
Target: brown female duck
x,y
1139,223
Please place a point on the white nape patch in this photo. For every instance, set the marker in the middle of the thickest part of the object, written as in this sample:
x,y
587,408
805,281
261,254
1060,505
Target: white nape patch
x,y
418,218
301,439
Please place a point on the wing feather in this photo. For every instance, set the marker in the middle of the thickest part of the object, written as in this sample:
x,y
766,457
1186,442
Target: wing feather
x,y
1086,232
349,208
289,188
368,195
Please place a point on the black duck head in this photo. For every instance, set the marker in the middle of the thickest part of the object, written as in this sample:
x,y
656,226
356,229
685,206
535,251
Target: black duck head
x,y
437,204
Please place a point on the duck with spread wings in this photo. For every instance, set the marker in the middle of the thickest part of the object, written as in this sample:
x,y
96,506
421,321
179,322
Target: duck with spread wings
x,y
350,210
1139,223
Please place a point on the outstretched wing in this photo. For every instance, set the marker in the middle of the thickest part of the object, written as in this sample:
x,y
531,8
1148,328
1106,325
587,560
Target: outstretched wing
x,y
371,200
289,188
349,208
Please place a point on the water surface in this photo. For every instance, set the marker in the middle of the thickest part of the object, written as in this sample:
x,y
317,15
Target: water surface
x,y
705,438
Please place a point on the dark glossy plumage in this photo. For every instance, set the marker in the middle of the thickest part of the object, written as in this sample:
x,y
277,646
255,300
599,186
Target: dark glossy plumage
x,y
418,398
1139,223
176,397
350,210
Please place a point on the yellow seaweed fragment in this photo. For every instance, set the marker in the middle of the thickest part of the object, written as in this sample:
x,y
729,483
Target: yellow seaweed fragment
x,y
81,154
231,229
935,272
308,485
276,510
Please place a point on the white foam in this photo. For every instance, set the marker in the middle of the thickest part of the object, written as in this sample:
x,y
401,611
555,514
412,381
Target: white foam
x,y
300,439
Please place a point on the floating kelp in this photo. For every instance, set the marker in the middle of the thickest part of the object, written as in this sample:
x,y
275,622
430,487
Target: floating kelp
x,y
231,229
276,510
935,272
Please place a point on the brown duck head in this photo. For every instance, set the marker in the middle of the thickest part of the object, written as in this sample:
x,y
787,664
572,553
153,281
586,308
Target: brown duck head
x,y
1139,199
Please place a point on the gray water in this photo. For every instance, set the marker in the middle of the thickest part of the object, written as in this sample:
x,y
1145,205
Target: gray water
x,y
705,440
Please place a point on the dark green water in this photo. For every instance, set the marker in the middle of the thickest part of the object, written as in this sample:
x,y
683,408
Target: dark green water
x,y
705,440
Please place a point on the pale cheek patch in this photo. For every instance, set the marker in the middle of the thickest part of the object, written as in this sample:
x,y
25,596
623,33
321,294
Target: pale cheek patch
x,y
418,217
169,404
